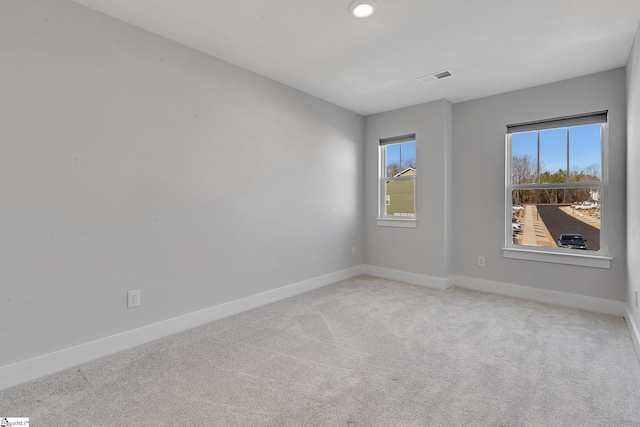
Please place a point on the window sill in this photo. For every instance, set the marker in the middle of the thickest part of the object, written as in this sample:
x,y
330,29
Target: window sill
x,y
595,261
396,222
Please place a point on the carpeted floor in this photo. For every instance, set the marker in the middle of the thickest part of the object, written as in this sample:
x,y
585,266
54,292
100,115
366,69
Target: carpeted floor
x,y
362,352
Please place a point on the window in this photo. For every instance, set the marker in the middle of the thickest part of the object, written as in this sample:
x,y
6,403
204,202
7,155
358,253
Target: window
x,y
555,187
397,179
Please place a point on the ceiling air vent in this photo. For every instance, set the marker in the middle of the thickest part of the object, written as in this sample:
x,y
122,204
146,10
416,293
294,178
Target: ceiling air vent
x,y
435,76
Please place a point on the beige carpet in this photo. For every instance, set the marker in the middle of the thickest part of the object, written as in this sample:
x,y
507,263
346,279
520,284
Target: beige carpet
x,y
362,352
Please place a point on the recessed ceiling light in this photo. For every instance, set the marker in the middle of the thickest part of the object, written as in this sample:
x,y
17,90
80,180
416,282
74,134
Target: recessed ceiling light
x,y
363,8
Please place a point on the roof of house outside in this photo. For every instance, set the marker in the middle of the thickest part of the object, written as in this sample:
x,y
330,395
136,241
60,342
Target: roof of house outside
x,y
405,172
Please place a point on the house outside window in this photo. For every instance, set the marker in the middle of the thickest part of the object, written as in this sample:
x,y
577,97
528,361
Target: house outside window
x,y
555,182
397,178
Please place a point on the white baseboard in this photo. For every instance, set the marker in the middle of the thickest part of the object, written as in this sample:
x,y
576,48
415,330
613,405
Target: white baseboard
x,y
403,276
599,305
633,330
46,364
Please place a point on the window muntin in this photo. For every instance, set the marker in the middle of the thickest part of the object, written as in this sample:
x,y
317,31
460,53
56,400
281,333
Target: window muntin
x,y
397,177
556,183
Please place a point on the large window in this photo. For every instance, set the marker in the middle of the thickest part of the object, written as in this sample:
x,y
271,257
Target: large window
x,y
398,177
555,185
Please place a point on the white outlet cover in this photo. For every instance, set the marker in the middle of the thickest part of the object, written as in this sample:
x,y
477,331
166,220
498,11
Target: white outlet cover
x,y
133,298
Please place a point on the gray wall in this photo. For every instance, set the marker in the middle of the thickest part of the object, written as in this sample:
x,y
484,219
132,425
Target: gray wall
x,y
633,176
425,249
132,162
478,162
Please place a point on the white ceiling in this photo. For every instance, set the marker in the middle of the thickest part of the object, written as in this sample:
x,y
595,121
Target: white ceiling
x,y
371,65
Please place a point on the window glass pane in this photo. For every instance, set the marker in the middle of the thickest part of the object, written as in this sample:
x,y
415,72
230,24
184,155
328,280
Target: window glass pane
x,y
556,218
408,151
553,155
392,159
399,158
524,158
399,197
585,153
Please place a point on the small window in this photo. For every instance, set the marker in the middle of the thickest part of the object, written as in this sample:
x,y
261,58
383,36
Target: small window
x,y
555,185
398,177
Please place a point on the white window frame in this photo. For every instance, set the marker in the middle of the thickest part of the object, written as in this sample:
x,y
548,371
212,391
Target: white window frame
x,y
598,259
392,220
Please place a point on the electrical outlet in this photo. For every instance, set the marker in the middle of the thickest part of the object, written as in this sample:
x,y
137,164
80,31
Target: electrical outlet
x,y
480,261
353,251
133,298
